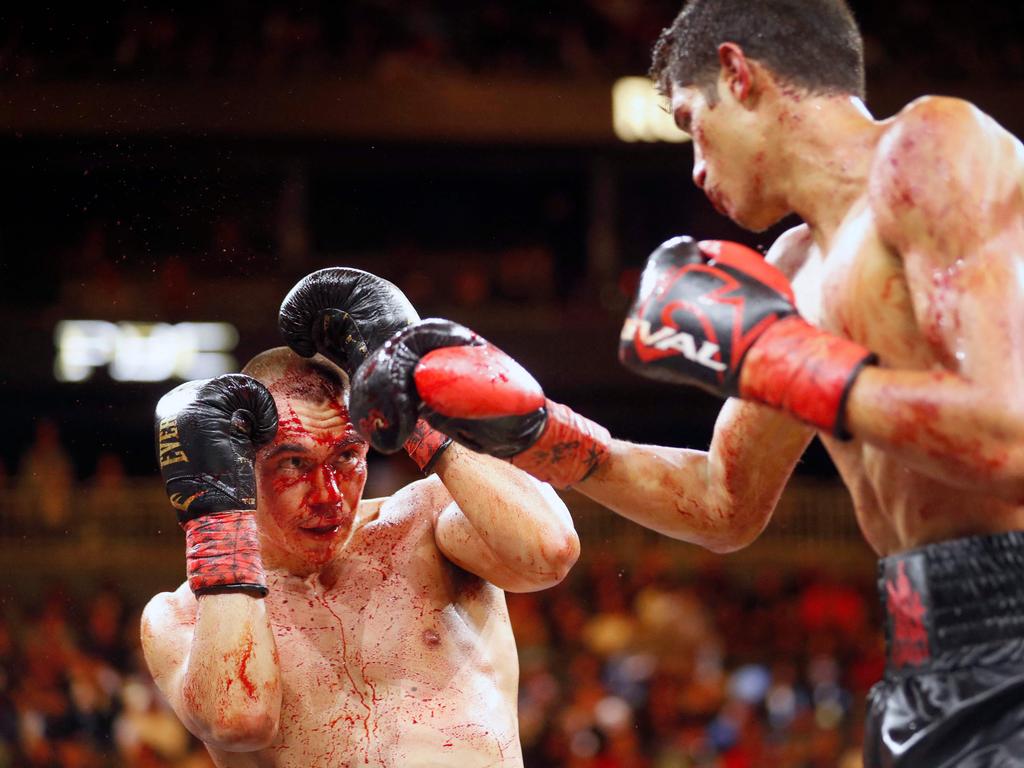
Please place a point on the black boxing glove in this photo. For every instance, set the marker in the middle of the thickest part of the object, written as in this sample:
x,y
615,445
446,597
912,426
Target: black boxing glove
x,y
207,435
717,315
345,314
479,396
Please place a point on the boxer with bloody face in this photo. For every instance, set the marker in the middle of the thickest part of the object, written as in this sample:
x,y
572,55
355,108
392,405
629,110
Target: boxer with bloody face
x,y
377,632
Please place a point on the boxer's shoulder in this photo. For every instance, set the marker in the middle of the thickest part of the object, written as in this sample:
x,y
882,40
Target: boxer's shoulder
x,y
169,609
939,159
167,623
420,500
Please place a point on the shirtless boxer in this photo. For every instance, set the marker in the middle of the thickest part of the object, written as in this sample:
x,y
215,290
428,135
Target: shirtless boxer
x,y
316,629
909,364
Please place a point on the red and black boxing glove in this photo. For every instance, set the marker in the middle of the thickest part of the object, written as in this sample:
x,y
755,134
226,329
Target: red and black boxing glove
x,y
345,314
717,315
479,396
207,434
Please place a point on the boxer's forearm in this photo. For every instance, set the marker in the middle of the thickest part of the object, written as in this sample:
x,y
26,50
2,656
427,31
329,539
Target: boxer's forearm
x,y
522,534
720,499
943,426
231,687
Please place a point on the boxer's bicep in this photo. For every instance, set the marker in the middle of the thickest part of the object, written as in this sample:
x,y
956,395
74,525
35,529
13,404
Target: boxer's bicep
x,y
461,542
946,197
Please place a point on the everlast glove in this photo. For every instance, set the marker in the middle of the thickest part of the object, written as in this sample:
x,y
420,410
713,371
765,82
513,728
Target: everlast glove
x,y
207,436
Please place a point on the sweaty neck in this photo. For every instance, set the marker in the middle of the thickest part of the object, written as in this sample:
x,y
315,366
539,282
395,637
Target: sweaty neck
x,y
827,145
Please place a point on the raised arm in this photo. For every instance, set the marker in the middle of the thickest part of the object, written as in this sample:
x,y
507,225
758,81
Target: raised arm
x,y
721,498
213,655
472,391
215,662
947,195
503,525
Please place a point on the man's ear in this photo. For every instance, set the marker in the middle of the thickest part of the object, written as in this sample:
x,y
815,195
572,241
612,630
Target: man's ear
x,y
736,71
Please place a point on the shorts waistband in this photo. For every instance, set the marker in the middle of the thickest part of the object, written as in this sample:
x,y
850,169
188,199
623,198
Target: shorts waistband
x,y
952,596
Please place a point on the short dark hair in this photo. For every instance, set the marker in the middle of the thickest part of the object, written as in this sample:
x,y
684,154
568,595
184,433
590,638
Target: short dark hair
x,y
813,44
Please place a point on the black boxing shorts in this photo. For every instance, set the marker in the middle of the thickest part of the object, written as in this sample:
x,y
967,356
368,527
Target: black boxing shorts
x,y
953,690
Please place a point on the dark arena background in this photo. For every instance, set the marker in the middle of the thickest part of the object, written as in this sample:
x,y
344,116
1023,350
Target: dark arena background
x,y
171,173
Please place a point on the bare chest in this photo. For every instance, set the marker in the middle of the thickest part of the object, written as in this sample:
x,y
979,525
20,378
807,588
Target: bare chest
x,y
859,290
392,662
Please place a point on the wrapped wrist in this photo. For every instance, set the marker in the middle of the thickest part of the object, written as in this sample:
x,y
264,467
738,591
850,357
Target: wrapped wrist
x,y
425,446
569,449
804,371
222,553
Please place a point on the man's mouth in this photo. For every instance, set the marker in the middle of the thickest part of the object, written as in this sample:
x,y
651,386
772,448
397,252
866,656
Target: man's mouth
x,y
323,531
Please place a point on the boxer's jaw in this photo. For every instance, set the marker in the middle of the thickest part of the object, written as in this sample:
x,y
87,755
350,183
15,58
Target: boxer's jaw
x,y
309,483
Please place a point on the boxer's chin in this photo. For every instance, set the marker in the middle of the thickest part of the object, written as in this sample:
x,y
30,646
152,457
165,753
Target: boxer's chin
x,y
756,217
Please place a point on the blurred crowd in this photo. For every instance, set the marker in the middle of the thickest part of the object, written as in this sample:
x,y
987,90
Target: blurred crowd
x,y
74,690
649,667
638,666
362,38
392,38
51,497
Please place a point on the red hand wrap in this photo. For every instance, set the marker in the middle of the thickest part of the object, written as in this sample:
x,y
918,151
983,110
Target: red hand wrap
x,y
805,371
570,448
222,552
425,445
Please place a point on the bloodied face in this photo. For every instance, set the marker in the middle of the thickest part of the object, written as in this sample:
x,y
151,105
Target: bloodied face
x,y
309,479
731,154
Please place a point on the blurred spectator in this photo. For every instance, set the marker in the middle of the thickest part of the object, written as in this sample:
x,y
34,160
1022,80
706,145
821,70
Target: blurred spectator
x,y
147,733
45,478
103,493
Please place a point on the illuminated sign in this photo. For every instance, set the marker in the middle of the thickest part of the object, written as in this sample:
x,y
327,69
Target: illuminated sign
x,y
143,351
638,112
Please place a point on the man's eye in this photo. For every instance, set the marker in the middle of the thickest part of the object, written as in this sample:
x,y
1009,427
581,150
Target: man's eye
x,y
294,462
346,459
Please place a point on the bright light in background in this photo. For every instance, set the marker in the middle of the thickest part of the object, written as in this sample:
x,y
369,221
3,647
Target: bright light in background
x,y
143,351
638,112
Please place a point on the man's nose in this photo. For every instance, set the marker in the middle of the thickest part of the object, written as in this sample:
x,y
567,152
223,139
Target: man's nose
x,y
325,488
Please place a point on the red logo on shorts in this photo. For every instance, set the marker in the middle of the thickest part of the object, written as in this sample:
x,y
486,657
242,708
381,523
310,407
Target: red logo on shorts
x,y
907,613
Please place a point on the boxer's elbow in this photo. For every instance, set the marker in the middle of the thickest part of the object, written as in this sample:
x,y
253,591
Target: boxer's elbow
x,y
733,540
561,554
232,724
239,731
548,566
737,527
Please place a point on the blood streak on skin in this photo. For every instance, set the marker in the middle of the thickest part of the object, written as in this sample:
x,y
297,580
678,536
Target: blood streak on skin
x,y
243,665
348,672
